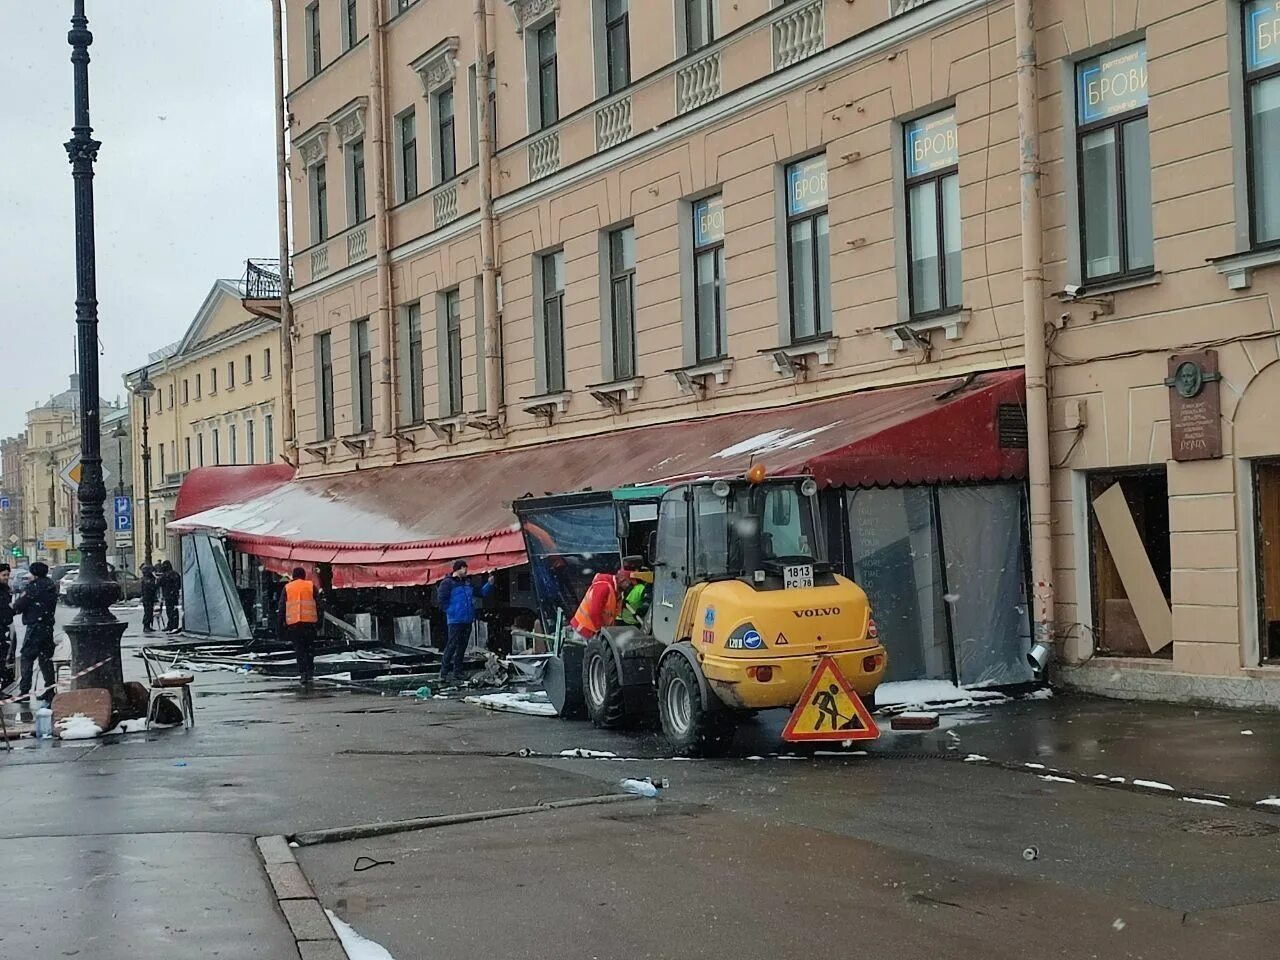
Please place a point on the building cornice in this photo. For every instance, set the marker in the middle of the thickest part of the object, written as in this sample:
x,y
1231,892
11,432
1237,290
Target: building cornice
x,y
436,68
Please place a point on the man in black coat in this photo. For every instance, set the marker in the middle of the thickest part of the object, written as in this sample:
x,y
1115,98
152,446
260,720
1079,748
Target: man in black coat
x,y
38,606
150,592
8,640
170,589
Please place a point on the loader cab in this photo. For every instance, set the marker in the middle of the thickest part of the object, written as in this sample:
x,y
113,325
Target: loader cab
x,y
763,532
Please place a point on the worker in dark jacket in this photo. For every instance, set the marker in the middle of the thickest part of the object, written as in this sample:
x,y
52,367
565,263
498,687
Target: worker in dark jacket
x,y
38,606
8,639
150,593
301,612
170,583
457,598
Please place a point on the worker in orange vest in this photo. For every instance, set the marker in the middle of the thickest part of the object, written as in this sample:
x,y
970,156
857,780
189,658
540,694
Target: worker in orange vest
x,y
301,610
602,604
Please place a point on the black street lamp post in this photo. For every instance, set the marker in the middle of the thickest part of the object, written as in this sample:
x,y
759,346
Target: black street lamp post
x,y
144,390
118,434
94,633
53,493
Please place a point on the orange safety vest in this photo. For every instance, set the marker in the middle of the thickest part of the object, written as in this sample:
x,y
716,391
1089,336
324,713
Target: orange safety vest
x,y
599,608
300,603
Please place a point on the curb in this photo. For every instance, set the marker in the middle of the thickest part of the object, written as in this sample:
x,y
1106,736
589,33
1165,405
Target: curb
x,y
313,934
386,828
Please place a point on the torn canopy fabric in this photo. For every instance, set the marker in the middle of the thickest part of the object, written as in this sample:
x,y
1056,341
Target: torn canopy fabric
x,y
406,525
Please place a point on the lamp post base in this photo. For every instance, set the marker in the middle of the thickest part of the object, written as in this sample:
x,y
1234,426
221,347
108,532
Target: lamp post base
x,y
93,639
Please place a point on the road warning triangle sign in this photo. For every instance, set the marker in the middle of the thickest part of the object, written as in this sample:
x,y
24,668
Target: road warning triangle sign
x,y
829,709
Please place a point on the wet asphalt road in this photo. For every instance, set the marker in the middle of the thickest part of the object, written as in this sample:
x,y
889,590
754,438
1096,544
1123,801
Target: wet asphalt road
x,y
142,847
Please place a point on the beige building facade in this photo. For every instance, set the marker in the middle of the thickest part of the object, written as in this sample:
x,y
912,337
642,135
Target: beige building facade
x,y
704,207
215,401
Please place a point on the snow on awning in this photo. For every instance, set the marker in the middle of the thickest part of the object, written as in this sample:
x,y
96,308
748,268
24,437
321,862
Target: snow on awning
x,y
405,525
207,487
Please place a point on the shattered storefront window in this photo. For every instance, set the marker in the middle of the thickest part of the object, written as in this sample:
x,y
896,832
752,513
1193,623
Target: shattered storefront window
x,y
567,547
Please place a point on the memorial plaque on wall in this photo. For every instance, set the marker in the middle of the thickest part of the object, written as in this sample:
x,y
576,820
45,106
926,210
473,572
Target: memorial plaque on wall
x,y
1195,408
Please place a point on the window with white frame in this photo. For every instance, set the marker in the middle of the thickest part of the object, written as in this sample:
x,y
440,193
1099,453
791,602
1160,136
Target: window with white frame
x,y
186,447
446,147
362,377
547,76
407,154
217,448
698,23
200,449
248,368
311,18
808,249
319,203
350,23
1262,108
1114,162
710,342
357,204
250,455
412,363
617,45
450,340
268,438
266,363
324,381
932,156
621,270
231,444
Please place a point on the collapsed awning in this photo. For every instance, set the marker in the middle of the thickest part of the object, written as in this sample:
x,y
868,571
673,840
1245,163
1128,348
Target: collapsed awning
x,y
406,525
207,487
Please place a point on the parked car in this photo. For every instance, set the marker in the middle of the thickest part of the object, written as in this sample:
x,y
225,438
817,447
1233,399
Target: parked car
x,y
69,572
19,579
127,582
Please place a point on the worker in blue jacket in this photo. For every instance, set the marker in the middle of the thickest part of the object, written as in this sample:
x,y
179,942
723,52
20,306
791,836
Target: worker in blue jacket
x,y
457,598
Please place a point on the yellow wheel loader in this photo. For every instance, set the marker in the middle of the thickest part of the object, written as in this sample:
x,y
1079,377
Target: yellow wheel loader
x,y
743,608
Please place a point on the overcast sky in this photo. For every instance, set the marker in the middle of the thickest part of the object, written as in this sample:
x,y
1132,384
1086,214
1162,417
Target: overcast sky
x,y
181,98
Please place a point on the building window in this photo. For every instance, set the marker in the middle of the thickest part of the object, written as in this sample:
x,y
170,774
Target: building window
x,y
200,448
808,249
266,363
473,83
413,360
186,391
551,266
213,380
197,386
622,302
362,395
933,214
231,375
617,44
319,203
451,396
163,470
324,353
403,5
548,77
268,438
446,145
231,444
249,456
708,279
407,138
248,368
186,449
1262,107
350,23
699,24
1114,157
217,450
312,17
358,205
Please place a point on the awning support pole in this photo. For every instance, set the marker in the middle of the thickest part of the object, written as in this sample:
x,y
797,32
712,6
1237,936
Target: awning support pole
x,y
381,222
1034,345
488,255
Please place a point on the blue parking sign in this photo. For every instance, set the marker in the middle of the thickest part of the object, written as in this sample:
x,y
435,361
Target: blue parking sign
x,y
124,523
124,505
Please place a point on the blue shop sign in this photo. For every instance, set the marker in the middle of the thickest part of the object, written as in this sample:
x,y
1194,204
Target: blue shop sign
x,y
708,221
932,143
806,186
1262,34
1112,84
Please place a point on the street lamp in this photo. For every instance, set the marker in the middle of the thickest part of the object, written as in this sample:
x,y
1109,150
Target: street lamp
x,y
94,633
144,390
118,433
52,463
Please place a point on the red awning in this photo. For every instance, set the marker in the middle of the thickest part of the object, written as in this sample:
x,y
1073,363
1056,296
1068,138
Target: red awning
x,y
207,487
406,525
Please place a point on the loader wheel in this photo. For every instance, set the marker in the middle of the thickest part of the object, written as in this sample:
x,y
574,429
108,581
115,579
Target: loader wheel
x,y
601,685
692,729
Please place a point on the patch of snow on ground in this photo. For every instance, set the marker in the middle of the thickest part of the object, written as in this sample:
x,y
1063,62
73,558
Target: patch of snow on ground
x,y
1207,803
1246,733
1052,779
1269,802
584,753
77,727
1152,784
1035,766
138,725
356,946
534,704
1044,693
920,692
975,758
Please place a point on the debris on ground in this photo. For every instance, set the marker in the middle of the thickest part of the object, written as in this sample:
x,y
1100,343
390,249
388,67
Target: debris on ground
x,y
1031,853
356,946
919,693
536,704
914,720
584,753
643,788
1152,784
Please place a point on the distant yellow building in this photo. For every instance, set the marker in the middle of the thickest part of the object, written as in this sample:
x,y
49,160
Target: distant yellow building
x,y
216,394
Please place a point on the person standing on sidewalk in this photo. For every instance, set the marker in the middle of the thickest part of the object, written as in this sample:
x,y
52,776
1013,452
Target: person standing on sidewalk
x,y
457,598
170,582
301,610
38,606
150,592
8,639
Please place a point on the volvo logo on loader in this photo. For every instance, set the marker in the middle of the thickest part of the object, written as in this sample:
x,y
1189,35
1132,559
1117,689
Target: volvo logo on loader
x,y
817,612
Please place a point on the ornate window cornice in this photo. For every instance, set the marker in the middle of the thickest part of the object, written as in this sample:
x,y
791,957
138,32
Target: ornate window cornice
x,y
529,12
348,122
313,145
436,67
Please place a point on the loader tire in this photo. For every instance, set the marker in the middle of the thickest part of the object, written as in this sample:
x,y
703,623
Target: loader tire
x,y
602,686
693,729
